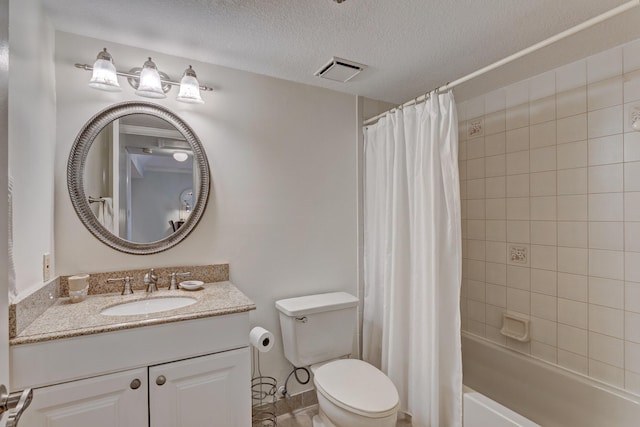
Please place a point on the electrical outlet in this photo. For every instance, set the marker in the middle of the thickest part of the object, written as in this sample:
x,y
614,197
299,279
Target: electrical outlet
x,y
46,267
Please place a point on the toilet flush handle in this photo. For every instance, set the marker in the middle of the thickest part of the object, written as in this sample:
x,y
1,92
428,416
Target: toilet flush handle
x,y
302,319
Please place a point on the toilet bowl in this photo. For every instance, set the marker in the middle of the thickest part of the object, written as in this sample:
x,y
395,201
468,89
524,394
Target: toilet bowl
x,y
353,393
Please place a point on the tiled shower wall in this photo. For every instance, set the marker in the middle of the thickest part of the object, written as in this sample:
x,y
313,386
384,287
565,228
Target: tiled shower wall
x,y
551,165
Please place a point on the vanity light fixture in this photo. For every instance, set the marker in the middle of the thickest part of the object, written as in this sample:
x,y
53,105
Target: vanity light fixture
x,y
180,156
148,81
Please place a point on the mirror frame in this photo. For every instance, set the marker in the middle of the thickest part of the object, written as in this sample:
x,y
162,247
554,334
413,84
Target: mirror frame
x,y
75,176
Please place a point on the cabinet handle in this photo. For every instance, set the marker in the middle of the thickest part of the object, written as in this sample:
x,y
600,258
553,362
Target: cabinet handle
x,y
161,380
135,384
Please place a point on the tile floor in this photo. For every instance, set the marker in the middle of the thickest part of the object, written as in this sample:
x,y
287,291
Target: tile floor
x,y
302,418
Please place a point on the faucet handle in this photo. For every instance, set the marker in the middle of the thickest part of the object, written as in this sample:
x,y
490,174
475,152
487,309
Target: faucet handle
x,y
127,284
174,282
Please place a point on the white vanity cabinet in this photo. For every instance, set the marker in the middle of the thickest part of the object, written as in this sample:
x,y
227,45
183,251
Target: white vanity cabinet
x,y
193,373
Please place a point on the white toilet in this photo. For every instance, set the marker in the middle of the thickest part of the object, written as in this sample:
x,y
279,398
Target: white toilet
x,y
317,330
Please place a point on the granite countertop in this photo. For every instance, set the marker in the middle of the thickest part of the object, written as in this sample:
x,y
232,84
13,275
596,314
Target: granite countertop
x,y
65,319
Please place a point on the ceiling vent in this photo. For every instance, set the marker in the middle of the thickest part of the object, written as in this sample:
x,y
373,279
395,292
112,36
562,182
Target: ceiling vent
x,y
340,70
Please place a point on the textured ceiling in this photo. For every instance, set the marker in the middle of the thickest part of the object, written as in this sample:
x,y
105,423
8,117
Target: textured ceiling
x,y
410,46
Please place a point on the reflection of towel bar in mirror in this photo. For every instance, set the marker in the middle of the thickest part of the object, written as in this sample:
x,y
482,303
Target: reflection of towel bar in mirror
x,y
96,199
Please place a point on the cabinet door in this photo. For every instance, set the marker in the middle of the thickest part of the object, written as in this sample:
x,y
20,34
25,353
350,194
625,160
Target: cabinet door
x,y
104,401
204,391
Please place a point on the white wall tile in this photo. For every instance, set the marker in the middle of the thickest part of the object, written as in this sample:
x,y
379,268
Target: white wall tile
x,y
496,209
572,155
496,273
632,296
632,147
632,236
632,382
496,295
606,178
494,144
542,85
462,170
573,286
475,270
495,188
572,313
571,76
572,339
632,266
606,320
518,300
475,291
475,148
494,315
494,335
476,328
495,166
494,123
607,264
632,176
632,206
631,56
544,183
517,94
518,185
606,292
572,181
632,327
604,65
496,251
475,229
518,277
543,208
544,282
573,128
475,168
542,110
573,260
543,330
632,357
632,87
573,361
476,249
462,149
475,311
606,235
607,121
475,189
572,234
518,208
571,102
606,349
542,135
605,150
545,307
548,353
626,118
521,347
606,373
518,231
572,208
543,159
517,117
544,257
605,93
517,139
606,207
495,101
496,230
544,233
518,163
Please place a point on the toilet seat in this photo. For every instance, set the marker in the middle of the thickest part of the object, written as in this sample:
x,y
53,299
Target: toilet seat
x,y
357,387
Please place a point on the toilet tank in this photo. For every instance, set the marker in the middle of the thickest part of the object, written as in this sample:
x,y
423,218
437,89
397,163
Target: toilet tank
x,y
317,328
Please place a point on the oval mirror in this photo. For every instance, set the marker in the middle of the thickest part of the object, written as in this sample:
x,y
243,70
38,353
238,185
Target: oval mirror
x,y
138,177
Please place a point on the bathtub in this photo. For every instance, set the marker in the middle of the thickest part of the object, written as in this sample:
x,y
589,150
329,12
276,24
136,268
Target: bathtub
x,y
536,392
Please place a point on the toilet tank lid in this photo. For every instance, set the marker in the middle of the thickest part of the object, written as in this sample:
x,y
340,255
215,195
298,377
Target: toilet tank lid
x,y
309,304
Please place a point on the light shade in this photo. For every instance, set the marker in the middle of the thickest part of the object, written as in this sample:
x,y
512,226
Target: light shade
x,y
149,85
190,88
104,73
180,156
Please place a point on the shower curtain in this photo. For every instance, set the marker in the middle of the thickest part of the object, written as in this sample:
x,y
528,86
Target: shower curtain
x,y
412,258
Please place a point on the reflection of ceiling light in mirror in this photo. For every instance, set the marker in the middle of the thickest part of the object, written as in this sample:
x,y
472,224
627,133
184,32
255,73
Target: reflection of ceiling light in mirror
x,y
190,88
104,73
147,150
180,156
150,85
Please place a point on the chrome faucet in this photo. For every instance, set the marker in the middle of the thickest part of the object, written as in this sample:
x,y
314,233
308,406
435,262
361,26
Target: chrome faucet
x,y
127,284
174,282
151,280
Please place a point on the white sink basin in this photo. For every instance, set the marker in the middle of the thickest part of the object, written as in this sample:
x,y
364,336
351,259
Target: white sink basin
x,y
147,306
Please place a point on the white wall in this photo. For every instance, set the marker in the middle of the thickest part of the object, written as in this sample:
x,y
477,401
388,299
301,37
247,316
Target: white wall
x,y
31,140
283,205
4,138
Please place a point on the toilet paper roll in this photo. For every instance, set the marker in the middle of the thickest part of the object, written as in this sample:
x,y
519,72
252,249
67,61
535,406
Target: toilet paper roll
x,y
79,282
261,339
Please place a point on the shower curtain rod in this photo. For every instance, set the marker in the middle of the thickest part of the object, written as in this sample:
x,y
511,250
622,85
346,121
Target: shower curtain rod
x,y
586,24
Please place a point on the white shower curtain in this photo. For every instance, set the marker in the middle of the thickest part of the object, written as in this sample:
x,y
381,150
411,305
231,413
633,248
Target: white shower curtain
x,y
412,258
